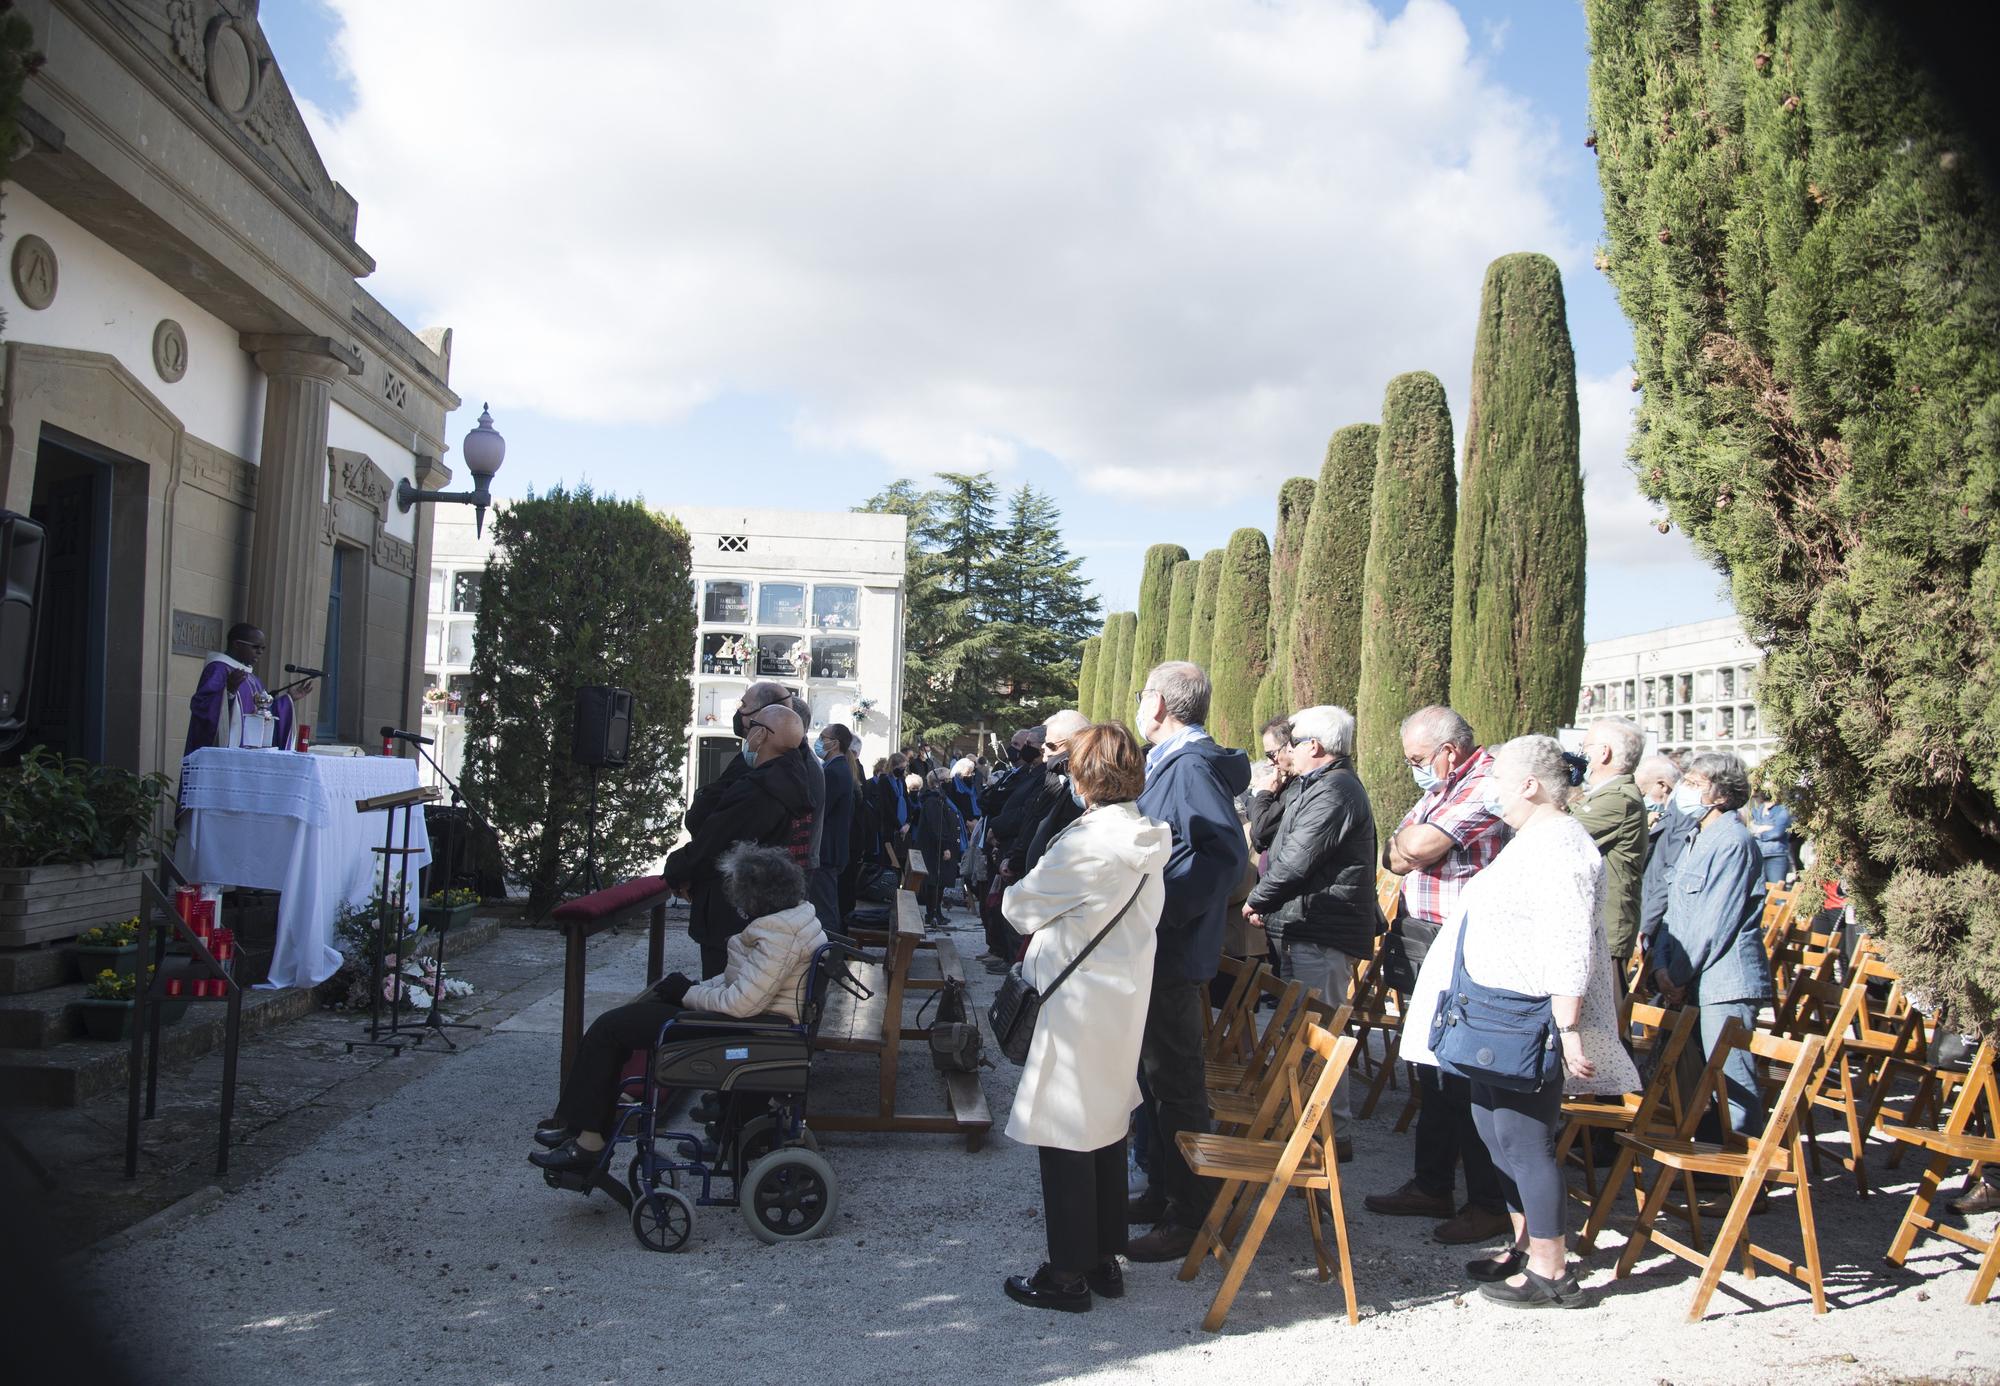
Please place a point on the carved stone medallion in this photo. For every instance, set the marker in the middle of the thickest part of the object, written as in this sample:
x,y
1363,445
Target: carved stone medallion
x,y
170,350
235,70
35,271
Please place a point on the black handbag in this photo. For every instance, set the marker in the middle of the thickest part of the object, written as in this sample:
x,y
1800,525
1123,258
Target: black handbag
x,y
1018,1005
1488,1035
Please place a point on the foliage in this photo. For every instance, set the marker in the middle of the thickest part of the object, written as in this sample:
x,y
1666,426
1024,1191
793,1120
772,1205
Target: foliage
x,y
994,610
406,968
1086,678
1149,636
1180,609
1805,239
64,811
122,934
1201,624
451,899
581,590
1242,650
1406,587
109,985
1517,608
1323,644
1295,503
1120,632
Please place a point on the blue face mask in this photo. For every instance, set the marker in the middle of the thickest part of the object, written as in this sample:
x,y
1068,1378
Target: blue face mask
x,y
1075,797
749,756
1489,798
819,749
1426,778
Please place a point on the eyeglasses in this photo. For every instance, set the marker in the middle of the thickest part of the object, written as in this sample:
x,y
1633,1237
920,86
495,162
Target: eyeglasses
x,y
1304,741
1272,756
1144,692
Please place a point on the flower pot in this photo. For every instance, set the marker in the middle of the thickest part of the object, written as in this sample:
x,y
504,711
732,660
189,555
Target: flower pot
x,y
105,1020
438,919
91,960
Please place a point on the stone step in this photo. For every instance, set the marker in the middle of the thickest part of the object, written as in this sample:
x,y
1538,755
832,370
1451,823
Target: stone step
x,y
24,970
42,1064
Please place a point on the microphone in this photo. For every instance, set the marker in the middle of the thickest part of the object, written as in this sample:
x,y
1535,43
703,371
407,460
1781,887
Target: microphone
x,y
392,733
309,673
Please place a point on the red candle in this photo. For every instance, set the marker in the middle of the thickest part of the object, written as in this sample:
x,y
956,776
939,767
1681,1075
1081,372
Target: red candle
x,y
305,736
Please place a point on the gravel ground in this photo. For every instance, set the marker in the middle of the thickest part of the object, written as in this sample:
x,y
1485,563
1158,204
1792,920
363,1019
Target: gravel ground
x,y
414,1242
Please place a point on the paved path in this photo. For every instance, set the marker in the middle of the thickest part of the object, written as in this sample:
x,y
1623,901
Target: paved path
x,y
411,1241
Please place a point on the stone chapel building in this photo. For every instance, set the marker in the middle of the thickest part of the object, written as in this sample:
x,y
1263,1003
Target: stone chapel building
x,y
197,397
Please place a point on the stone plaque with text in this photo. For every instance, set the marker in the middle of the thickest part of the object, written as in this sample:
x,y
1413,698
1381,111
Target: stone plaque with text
x,y
196,635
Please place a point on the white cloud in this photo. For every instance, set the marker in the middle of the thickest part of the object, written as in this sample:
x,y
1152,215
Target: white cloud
x,y
1618,518
1145,240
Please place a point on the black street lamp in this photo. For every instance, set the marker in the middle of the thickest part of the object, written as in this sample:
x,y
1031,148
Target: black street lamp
x,y
483,451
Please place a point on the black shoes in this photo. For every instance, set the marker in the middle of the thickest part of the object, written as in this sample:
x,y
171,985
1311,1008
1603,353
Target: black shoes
x,y
1045,1290
567,1158
1535,1292
1488,1270
1107,1281
549,1137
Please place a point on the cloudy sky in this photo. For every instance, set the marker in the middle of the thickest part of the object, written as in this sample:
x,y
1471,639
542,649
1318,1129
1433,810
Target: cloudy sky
x,y
1144,256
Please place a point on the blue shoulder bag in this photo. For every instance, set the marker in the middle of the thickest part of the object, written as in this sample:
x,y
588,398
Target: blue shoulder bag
x,y
1500,1038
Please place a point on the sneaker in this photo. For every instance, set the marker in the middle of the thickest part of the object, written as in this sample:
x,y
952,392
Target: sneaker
x,y
1166,1242
1473,1224
1044,1290
1410,1201
1144,1207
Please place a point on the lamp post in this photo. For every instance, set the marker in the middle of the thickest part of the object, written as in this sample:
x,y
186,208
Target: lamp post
x,y
483,451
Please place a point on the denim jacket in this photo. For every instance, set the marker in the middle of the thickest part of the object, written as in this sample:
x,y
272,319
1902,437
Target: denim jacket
x,y
1711,941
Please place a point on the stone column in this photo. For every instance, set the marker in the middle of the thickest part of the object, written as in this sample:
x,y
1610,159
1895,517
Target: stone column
x,y
286,585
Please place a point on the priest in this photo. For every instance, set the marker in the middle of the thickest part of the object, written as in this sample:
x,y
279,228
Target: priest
x,y
228,693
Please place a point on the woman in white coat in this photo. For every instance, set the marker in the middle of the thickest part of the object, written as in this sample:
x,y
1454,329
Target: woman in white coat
x,y
1080,1083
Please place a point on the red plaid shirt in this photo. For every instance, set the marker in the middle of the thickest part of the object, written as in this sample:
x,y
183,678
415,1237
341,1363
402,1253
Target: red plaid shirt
x,y
1454,808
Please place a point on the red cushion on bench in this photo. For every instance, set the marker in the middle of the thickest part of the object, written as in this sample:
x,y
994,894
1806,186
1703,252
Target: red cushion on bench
x,y
612,900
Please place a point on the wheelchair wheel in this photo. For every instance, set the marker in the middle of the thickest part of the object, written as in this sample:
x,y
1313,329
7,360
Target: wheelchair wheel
x,y
790,1195
662,1220
759,1137
635,1182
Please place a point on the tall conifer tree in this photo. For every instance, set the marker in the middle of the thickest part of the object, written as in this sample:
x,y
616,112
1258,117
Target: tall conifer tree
x,y
1201,625
1295,503
1149,638
1086,678
1180,609
1242,652
1517,612
1406,589
1119,634
1323,644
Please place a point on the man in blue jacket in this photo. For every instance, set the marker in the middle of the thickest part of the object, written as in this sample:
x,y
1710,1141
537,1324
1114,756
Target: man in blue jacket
x,y
1191,785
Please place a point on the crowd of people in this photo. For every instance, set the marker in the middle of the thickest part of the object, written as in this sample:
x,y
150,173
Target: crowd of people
x,y
1126,866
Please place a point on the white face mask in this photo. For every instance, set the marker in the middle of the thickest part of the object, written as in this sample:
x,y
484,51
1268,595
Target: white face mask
x,y
1687,798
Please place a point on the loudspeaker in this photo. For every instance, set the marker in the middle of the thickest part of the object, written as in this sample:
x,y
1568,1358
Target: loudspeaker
x,y
603,726
20,597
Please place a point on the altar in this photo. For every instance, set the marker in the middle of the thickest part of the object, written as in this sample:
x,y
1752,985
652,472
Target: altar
x,y
278,820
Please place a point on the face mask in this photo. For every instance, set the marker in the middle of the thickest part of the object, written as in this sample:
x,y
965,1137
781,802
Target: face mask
x,y
1687,799
1075,797
1490,799
819,749
749,756
736,723
1426,778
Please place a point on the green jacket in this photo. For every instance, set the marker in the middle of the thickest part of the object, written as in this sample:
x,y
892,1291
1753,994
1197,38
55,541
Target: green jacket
x,y
1615,816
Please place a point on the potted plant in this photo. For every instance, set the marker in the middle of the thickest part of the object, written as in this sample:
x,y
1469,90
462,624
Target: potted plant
x,y
109,948
75,841
447,909
106,1007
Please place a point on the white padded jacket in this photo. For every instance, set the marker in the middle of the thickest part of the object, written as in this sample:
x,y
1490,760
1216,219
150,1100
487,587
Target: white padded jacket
x,y
766,971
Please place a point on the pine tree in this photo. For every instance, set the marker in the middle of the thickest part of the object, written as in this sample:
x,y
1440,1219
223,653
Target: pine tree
x,y
1324,643
1149,640
1201,624
1119,634
1295,503
1406,587
1242,652
1517,610
1180,609
1042,609
1804,232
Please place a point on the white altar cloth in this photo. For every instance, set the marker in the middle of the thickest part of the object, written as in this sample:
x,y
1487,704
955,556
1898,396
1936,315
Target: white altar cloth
x,y
277,820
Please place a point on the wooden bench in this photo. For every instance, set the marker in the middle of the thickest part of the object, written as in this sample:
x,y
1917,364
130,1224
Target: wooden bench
x,y
878,1026
591,914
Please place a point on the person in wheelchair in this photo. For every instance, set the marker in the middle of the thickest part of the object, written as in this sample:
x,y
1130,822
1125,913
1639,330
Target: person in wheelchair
x,y
767,976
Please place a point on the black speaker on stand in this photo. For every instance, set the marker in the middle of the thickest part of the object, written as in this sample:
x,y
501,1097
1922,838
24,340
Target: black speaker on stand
x,y
602,736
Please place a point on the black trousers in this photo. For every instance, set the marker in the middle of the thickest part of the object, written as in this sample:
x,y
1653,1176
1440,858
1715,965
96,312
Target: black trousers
x,y
1176,1092
714,957
1446,1135
1083,1205
590,1093
823,888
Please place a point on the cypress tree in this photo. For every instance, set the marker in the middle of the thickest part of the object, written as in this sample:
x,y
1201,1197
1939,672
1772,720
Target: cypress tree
x,y
1323,644
1802,226
1107,660
1242,651
1086,677
1112,677
1406,587
1295,503
1517,609
1149,639
1180,609
1201,624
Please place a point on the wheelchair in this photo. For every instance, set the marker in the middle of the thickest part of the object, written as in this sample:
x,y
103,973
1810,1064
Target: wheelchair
x,y
756,1155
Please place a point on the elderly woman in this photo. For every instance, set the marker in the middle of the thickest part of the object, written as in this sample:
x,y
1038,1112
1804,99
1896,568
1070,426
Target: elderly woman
x,y
767,974
1102,874
1710,946
1531,926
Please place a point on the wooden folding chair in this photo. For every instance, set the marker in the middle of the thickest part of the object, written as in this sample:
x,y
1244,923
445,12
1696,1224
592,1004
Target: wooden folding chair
x,y
1776,1155
1257,1168
1780,904
1955,1142
1232,1029
1237,1111
1240,1075
1864,1055
1656,1109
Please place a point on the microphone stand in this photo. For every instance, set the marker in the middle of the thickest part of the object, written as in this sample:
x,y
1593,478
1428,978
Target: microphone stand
x,y
431,1022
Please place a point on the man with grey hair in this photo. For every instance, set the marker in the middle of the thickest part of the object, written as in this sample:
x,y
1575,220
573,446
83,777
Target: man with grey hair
x,y
1656,777
1036,809
1191,785
1673,829
1318,887
1611,810
1441,844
